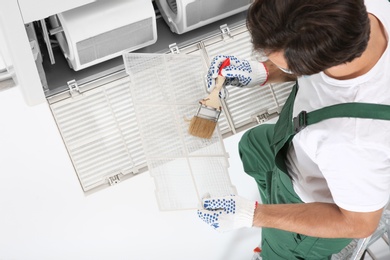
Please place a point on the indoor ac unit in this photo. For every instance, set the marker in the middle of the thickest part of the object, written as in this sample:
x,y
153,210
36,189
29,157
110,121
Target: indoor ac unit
x,y
104,29
185,15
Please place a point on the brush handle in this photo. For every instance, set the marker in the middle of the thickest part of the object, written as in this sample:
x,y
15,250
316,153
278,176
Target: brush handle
x,y
212,99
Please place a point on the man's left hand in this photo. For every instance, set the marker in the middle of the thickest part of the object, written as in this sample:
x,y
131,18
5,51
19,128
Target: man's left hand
x,y
227,213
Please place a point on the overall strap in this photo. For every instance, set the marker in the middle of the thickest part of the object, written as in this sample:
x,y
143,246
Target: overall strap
x,y
354,109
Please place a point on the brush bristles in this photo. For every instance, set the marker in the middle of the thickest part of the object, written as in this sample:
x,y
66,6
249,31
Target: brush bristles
x,y
200,127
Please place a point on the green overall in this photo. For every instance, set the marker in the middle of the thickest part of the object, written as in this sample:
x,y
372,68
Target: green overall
x,y
263,151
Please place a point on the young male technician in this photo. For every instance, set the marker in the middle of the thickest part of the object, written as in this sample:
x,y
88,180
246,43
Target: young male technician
x,y
327,182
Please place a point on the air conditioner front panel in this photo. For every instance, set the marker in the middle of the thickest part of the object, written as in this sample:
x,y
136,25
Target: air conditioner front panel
x,y
205,10
101,16
104,29
185,15
114,42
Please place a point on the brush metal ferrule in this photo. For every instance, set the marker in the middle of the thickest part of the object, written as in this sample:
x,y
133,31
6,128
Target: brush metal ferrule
x,y
209,113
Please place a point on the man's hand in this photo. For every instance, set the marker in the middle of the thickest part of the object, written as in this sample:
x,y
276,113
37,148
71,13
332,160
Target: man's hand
x,y
240,73
227,213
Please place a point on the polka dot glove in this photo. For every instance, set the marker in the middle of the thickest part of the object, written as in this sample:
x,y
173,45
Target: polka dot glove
x,y
240,73
227,213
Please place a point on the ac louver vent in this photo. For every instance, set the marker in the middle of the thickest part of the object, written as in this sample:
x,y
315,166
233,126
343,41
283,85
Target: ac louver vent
x,y
173,5
101,134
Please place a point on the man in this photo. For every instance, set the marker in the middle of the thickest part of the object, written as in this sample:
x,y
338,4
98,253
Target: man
x,y
328,182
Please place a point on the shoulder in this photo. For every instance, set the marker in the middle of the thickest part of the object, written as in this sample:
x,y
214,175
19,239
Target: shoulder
x,y
348,140
354,132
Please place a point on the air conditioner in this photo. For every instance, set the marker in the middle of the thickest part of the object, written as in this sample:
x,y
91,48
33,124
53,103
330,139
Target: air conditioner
x,y
185,15
104,29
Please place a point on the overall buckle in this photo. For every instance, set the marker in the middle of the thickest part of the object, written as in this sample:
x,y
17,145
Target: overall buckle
x,y
300,121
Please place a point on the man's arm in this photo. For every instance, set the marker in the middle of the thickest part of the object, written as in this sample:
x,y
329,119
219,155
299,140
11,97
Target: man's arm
x,y
317,219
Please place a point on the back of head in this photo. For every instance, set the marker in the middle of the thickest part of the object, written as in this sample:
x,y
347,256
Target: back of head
x,y
313,34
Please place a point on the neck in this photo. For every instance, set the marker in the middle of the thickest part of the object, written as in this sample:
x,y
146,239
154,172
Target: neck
x,y
376,47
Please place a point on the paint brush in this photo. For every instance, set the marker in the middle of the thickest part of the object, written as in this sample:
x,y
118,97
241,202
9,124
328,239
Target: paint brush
x,y
206,117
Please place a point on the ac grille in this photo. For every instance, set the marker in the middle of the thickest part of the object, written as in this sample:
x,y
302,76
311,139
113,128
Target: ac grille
x,y
101,133
102,136
115,41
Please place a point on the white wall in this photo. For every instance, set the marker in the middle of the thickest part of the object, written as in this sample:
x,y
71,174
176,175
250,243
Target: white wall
x,y
45,215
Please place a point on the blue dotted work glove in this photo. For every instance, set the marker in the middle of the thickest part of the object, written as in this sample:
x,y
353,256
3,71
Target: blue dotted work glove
x,y
227,213
240,73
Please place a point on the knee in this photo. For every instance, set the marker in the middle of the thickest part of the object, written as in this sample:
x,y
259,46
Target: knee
x,y
244,142
255,151
256,138
259,134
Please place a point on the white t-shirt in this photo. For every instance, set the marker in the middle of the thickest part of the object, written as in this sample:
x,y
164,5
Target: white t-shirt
x,y
345,160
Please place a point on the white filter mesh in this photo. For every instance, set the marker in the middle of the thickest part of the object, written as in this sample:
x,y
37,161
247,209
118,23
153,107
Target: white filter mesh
x,y
165,91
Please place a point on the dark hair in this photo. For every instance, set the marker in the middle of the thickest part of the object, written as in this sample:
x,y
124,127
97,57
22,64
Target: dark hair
x,y
313,34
